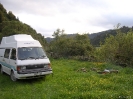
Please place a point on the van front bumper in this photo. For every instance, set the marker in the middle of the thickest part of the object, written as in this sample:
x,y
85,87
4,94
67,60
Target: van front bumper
x,y
32,75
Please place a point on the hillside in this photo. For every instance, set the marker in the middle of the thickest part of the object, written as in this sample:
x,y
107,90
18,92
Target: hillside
x,y
10,25
98,37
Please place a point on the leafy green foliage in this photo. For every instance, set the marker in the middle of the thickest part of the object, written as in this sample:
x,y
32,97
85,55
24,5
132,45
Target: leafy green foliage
x,y
118,49
11,16
64,46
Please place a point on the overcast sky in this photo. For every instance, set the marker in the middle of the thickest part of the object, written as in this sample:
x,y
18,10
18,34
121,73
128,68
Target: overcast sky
x,y
74,16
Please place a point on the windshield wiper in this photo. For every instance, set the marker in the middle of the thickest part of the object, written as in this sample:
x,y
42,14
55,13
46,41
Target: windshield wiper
x,y
31,57
27,58
40,57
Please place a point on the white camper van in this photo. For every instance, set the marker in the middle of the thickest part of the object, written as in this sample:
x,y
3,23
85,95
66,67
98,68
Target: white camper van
x,y
23,57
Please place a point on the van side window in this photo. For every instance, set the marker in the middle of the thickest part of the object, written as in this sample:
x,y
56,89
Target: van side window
x,y
13,54
7,52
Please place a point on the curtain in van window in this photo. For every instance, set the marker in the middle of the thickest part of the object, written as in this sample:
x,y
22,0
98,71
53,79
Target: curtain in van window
x,y
7,52
13,54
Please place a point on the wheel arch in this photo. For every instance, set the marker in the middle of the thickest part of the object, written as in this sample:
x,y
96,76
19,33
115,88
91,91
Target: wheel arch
x,y
0,65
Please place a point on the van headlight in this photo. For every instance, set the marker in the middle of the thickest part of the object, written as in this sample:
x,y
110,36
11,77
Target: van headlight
x,y
23,67
47,66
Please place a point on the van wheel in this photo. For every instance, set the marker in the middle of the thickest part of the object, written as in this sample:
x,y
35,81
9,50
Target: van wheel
x,y
1,70
12,75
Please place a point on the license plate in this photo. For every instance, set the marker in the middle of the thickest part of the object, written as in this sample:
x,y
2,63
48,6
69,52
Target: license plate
x,y
38,73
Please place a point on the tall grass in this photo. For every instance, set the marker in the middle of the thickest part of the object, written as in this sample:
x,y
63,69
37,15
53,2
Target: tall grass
x,y
70,82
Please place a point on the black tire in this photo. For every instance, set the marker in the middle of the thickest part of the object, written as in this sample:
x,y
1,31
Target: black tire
x,y
12,75
1,70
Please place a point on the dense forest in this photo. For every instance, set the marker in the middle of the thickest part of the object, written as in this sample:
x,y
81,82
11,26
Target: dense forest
x,y
114,46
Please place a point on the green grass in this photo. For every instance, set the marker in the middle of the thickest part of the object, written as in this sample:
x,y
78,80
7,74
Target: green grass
x,y
69,82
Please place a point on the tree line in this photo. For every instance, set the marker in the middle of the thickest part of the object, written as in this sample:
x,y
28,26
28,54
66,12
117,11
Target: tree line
x,y
116,49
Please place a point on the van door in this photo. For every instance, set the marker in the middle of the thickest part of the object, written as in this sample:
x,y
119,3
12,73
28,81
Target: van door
x,y
6,61
13,59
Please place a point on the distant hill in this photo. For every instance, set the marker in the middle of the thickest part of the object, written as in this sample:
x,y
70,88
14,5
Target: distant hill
x,y
98,37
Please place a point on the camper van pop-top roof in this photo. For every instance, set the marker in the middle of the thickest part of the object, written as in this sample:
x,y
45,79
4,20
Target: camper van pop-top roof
x,y
20,40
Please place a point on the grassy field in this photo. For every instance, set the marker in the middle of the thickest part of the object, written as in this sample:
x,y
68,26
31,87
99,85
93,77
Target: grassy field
x,y
69,81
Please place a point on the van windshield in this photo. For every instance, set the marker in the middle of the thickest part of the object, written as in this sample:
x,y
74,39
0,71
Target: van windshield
x,y
31,53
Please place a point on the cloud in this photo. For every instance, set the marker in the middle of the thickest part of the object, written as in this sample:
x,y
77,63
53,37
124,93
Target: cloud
x,y
74,16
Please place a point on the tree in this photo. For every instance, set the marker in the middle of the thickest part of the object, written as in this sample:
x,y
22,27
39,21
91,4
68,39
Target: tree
x,y
118,49
11,16
1,17
70,46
